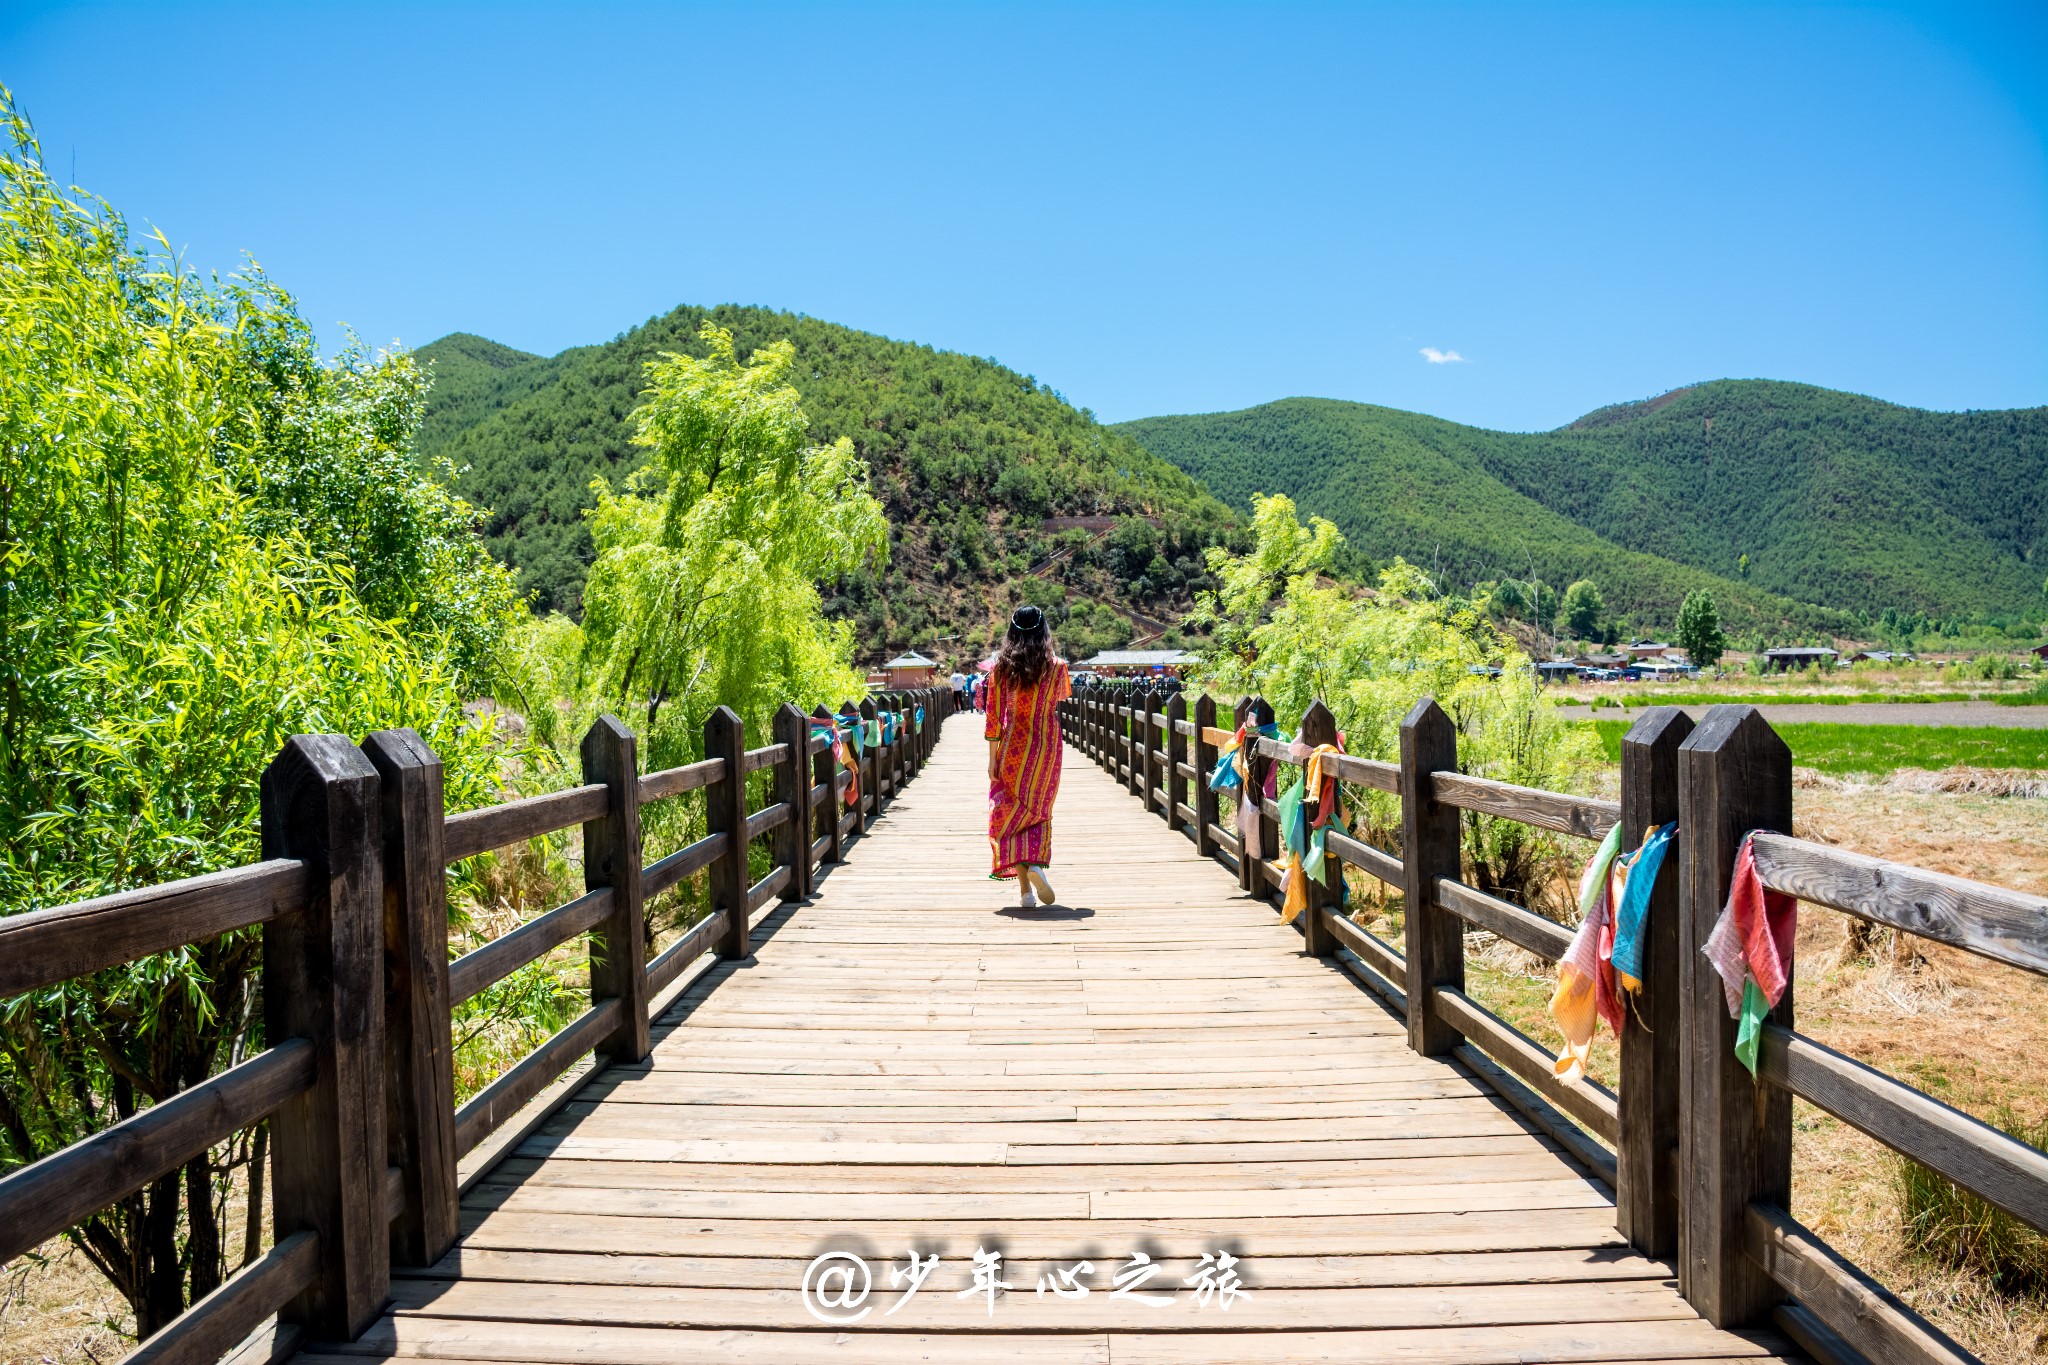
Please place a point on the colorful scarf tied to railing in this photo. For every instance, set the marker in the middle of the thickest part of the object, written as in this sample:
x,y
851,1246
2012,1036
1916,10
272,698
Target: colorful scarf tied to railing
x,y
888,722
1605,958
920,717
1305,821
833,735
872,733
1751,949
1233,770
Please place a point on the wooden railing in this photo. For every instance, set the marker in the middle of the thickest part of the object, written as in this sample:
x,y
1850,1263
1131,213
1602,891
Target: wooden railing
x,y
358,1080
1698,1154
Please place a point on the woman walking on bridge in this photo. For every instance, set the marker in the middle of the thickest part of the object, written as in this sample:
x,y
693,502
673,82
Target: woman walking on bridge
x,y
1024,743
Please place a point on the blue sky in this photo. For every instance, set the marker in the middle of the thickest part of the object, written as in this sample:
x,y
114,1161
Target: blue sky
x,y
1153,208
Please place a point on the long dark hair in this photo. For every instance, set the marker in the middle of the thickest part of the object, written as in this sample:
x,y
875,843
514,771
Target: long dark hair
x,y
1026,655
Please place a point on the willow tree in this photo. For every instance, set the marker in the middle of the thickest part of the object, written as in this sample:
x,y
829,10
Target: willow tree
x,y
704,590
210,538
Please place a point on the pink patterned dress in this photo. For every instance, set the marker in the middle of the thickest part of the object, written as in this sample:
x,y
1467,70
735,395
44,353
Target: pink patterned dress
x,y
1027,765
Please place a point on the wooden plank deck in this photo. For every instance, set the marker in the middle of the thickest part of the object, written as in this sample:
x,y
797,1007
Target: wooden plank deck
x,y
1152,1066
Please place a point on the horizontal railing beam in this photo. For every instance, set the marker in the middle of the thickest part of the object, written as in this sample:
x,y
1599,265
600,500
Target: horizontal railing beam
x,y
40,1200
664,873
1991,921
1977,1156
45,947
479,831
1582,816
1545,938
675,781
475,972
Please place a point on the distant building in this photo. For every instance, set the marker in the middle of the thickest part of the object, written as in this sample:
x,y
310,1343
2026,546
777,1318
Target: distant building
x,y
1646,650
1603,661
1557,670
908,670
1799,656
1124,663
1880,656
2040,652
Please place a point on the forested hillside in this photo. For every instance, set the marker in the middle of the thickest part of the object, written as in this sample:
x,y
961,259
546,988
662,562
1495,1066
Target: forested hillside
x,y
971,461
1801,508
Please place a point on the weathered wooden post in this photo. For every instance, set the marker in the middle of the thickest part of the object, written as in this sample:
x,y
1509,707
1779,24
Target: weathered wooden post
x,y
419,1048
825,771
611,857
872,778
725,811
1262,768
849,713
1146,704
1176,759
1134,749
1429,850
792,783
323,980
1646,1195
1206,803
1241,716
1318,726
1735,1135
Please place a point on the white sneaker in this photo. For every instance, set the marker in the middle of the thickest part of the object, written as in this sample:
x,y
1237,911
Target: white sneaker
x,y
1037,875
1024,901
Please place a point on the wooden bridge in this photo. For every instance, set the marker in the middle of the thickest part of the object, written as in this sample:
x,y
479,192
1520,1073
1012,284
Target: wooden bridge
x,y
825,1124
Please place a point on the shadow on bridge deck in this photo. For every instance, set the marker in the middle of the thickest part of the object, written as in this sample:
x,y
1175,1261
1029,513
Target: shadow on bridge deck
x,y
1152,1067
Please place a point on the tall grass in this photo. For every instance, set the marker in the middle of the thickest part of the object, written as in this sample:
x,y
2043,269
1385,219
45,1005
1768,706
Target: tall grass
x,y
1948,1224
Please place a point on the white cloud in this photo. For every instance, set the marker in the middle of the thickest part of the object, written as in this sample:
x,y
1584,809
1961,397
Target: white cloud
x,y
1436,357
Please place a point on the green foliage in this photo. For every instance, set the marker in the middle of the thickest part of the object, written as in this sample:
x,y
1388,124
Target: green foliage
x,y
965,456
209,540
1699,630
1827,507
1289,634
1584,609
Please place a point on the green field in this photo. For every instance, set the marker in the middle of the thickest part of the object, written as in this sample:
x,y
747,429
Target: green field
x,y
1878,749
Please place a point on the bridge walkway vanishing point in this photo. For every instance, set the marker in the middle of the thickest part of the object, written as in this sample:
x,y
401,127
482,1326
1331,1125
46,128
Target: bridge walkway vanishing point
x,y
1153,1065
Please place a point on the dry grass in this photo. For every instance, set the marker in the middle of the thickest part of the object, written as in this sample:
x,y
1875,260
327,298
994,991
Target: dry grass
x,y
55,1309
1967,1031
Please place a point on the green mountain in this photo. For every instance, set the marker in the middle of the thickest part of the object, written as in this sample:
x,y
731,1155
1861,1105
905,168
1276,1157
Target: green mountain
x,y
983,472
1843,506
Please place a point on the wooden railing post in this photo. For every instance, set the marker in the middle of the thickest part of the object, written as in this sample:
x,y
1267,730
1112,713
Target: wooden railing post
x,y
419,1048
323,980
1247,875
849,712
725,807
1134,757
825,769
1735,1135
1318,726
1429,850
871,780
1147,704
1646,1156
1269,828
611,857
792,783
1176,755
1205,803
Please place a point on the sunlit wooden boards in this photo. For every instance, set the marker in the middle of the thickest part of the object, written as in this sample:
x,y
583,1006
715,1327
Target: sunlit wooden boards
x,y
911,1063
